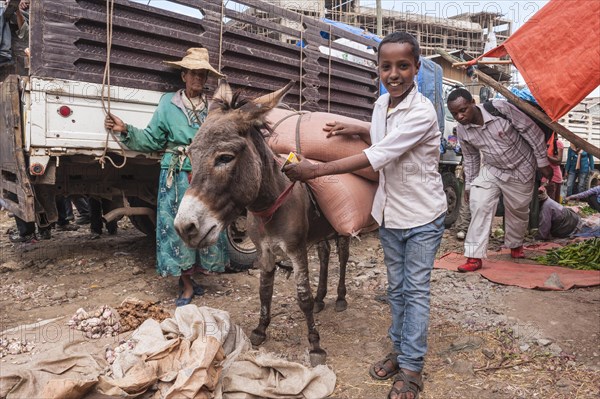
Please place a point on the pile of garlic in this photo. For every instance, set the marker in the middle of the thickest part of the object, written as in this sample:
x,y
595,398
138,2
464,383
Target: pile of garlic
x,y
103,322
111,354
13,346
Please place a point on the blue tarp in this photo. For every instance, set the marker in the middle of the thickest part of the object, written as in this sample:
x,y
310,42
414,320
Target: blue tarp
x,y
429,79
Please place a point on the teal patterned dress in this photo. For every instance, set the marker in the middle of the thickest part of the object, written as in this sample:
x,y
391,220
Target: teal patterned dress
x,y
172,128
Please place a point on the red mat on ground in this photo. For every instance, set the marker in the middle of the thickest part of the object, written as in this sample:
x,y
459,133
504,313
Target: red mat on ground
x,y
500,268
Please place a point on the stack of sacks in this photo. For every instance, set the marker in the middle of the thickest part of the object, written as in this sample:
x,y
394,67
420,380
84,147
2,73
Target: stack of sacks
x,y
346,200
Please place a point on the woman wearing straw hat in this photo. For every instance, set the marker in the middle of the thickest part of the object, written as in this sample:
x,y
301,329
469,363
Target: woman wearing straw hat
x,y
175,122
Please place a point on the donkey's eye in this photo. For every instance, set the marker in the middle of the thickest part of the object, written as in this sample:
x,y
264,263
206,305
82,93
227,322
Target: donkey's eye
x,y
224,159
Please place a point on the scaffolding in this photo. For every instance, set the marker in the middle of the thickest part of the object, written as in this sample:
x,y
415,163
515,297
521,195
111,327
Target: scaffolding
x,y
431,32
467,32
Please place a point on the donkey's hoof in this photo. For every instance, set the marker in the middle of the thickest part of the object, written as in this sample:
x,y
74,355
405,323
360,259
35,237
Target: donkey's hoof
x,y
317,357
318,307
341,305
257,338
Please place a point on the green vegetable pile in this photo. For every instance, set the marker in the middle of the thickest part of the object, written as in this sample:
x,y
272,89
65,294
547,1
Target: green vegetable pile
x,y
583,255
586,211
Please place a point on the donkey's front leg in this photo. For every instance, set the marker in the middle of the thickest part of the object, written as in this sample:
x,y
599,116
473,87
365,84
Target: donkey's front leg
x,y
306,303
343,248
267,277
323,249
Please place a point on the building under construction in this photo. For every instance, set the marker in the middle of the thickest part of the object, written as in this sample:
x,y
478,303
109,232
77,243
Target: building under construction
x,y
466,32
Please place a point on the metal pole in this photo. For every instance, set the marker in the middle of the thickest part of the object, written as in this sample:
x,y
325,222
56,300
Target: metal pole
x,y
379,19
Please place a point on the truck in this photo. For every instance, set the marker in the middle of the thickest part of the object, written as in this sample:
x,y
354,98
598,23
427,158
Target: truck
x,y
89,57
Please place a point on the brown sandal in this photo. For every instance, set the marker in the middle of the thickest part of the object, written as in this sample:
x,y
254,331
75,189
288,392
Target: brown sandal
x,y
381,365
410,384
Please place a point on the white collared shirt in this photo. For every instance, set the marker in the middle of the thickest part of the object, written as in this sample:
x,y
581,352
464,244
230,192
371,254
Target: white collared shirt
x,y
406,152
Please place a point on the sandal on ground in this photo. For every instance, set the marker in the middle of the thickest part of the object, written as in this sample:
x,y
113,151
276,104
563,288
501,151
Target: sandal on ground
x,y
198,289
384,365
182,301
410,384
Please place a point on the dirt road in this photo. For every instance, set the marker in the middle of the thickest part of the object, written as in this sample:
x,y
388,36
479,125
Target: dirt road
x,y
486,340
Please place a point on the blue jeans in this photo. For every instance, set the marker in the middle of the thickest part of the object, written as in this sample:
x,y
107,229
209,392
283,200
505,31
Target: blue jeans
x,y
581,185
409,256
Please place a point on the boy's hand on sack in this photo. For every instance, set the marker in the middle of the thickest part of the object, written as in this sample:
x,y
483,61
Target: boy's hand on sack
x,y
340,128
301,171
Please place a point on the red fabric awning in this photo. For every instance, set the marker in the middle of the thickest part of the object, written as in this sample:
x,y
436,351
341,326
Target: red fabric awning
x,y
557,52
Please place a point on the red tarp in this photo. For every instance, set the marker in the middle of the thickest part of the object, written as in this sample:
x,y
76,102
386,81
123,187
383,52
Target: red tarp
x,y
500,268
557,52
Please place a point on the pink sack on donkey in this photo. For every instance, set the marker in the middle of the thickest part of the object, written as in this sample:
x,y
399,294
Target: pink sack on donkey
x,y
346,201
313,141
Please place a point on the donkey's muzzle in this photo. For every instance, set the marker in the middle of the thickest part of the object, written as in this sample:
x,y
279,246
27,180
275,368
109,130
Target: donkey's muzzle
x,y
196,227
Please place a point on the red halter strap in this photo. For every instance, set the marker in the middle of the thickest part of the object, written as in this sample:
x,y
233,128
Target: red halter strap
x,y
268,213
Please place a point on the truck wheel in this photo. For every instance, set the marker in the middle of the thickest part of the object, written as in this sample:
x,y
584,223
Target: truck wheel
x,y
141,222
242,252
452,190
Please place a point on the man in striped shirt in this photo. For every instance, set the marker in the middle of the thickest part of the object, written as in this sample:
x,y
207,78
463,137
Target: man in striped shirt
x,y
501,154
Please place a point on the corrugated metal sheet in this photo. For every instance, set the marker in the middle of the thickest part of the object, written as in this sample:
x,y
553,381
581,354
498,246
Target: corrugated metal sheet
x,y
17,195
68,41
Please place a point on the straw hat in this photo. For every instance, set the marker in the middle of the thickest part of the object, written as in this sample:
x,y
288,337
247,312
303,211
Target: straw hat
x,y
195,58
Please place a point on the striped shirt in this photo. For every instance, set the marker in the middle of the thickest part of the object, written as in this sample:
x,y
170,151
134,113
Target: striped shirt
x,y
511,147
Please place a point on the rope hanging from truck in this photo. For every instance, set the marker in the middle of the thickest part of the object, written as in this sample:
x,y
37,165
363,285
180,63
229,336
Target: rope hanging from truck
x,y
221,33
110,5
301,53
329,73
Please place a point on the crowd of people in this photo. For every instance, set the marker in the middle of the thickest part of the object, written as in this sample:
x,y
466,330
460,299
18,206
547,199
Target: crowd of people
x,y
579,168
503,152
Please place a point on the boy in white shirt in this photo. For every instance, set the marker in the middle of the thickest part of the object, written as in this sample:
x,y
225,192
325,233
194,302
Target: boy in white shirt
x,y
410,204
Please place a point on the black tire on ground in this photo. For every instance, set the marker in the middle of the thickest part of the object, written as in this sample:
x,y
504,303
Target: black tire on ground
x,y
453,197
141,222
242,252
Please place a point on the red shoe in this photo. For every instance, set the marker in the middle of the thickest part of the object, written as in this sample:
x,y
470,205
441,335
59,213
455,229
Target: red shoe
x,y
471,265
517,252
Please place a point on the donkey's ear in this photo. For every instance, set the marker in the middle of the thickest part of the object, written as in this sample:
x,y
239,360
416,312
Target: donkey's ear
x,y
223,92
271,100
258,107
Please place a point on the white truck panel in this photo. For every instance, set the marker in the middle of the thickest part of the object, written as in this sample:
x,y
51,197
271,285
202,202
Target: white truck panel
x,y
83,130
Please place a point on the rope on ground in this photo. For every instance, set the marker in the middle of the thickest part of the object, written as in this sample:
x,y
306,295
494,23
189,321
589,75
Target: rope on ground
x,y
110,5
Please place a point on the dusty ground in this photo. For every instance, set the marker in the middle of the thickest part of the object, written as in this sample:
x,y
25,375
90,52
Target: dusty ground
x,y
486,340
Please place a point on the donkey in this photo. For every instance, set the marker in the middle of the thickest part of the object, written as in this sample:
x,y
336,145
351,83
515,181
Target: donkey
x,y
234,169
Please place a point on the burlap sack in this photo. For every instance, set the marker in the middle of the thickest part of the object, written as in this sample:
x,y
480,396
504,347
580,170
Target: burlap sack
x,y
346,201
313,142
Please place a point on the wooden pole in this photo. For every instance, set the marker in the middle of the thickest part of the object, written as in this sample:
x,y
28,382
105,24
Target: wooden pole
x,y
379,18
464,63
530,110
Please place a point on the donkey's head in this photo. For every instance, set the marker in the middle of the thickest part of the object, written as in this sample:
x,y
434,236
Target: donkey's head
x,y
229,158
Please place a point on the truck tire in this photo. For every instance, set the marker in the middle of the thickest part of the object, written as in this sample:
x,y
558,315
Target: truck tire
x,y
141,222
242,252
452,191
